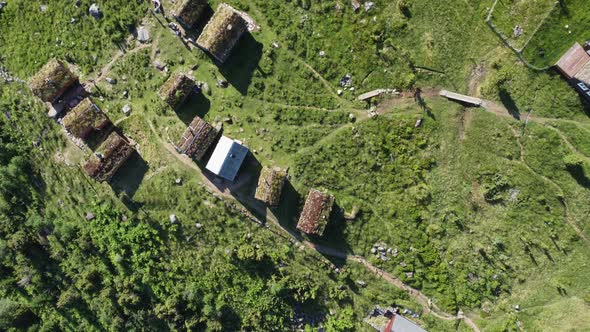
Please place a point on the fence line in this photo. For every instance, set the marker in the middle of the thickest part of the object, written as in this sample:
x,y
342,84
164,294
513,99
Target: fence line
x,y
506,41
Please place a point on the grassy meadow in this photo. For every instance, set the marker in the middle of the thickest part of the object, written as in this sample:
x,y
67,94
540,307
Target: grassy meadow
x,y
481,209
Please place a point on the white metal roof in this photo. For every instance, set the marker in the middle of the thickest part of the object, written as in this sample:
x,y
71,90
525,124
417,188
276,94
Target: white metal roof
x,y
227,158
402,324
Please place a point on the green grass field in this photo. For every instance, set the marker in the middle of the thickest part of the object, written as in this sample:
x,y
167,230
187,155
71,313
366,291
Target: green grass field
x,y
481,209
554,38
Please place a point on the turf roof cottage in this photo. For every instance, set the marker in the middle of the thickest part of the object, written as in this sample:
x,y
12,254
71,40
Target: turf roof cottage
x,y
188,12
223,32
85,119
108,158
177,89
316,213
270,185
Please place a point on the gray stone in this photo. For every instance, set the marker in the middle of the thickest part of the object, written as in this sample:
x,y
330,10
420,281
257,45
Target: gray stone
x,y
143,34
94,11
111,80
90,216
178,181
198,225
173,219
361,283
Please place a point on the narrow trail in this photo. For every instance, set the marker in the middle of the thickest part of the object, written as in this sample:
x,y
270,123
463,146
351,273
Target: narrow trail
x,y
118,55
428,306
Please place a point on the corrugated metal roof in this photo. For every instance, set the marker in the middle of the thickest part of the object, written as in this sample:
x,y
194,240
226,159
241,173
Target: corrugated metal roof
x,y
402,324
227,158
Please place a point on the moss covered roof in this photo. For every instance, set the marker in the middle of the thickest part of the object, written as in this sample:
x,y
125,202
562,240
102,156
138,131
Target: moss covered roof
x,y
270,185
85,118
177,89
197,139
188,12
52,80
316,213
108,158
222,32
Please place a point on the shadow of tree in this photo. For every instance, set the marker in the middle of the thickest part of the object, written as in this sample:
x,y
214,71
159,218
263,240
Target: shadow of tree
x,y
509,103
579,174
240,66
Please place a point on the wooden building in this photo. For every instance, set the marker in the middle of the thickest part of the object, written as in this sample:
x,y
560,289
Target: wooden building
x,y
223,32
188,12
197,139
575,66
108,158
52,81
86,118
316,213
270,185
177,89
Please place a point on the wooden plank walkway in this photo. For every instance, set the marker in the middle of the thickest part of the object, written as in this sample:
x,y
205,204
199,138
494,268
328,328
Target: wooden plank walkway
x,y
461,98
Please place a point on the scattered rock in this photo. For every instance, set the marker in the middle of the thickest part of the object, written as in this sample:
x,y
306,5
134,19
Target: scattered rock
x,y
173,219
125,94
517,31
143,34
346,81
124,217
159,65
228,120
222,83
43,8
361,283
178,181
90,216
111,80
322,54
206,90
339,92
355,5
373,250
199,225
409,274
275,45
94,11
351,117
369,5
418,123
3,4
126,109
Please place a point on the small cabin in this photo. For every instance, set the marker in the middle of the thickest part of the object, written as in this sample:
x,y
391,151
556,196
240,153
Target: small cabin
x,y
223,32
575,66
316,213
85,119
227,158
108,158
270,185
188,12
177,89
52,81
197,139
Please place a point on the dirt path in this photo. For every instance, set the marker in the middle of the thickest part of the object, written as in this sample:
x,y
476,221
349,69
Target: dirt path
x,y
118,55
567,215
428,306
